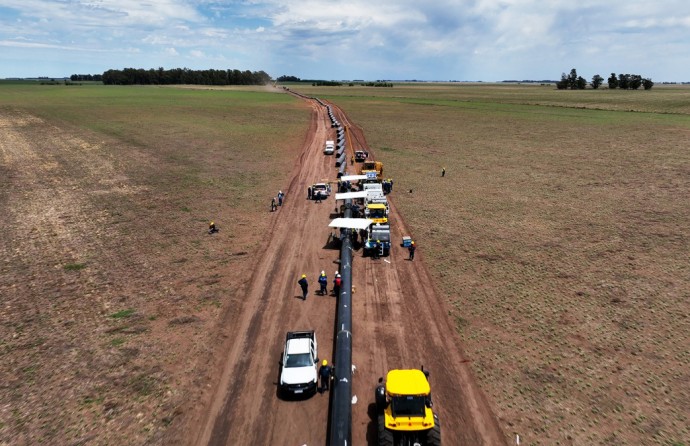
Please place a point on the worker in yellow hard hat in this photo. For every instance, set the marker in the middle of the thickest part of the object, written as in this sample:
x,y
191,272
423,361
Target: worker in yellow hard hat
x,y
304,285
325,372
212,229
411,249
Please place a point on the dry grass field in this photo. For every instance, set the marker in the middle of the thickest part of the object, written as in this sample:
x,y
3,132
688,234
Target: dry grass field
x,y
560,238
110,287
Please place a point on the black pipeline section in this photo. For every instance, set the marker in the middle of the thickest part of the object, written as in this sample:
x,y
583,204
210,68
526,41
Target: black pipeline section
x,y
341,405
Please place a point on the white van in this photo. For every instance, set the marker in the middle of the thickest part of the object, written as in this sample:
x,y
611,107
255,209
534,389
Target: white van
x,y
330,148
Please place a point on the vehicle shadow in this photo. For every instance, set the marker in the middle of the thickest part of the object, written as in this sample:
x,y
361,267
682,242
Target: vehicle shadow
x,y
372,433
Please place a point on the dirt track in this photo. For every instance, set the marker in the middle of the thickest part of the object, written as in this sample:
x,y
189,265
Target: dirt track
x,y
399,322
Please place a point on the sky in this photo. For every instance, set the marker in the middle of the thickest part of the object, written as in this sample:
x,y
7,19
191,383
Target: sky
x,y
430,40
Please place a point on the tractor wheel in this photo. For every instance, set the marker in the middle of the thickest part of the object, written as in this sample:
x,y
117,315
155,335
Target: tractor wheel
x,y
433,437
385,436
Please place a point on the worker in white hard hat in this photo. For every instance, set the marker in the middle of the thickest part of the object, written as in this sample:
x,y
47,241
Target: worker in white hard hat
x,y
323,282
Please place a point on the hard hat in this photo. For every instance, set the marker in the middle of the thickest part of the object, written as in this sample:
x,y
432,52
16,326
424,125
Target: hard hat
x,y
413,243
324,362
211,223
304,276
323,273
336,273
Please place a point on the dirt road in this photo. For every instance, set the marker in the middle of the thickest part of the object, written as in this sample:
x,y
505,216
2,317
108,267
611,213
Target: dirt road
x,y
399,322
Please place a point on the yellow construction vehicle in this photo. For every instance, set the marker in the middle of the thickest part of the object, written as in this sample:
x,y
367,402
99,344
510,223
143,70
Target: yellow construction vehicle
x,y
372,166
405,410
377,212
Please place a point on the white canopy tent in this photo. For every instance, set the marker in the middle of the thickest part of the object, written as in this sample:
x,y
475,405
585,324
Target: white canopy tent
x,y
351,195
351,223
353,177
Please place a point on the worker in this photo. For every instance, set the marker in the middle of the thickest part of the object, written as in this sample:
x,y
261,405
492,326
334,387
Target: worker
x,y
280,197
377,246
323,282
412,249
309,193
212,229
304,285
273,204
325,375
337,281
443,172
352,159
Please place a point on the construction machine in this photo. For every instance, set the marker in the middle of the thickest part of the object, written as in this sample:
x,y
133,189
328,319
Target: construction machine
x,y
377,212
406,417
372,166
377,240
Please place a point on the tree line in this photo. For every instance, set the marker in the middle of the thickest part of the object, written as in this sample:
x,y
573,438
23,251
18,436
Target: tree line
x,y
86,77
176,76
623,81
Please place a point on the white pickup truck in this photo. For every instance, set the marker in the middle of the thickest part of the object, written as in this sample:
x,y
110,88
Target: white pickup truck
x,y
298,373
330,148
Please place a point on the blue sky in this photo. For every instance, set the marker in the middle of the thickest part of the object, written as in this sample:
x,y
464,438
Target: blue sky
x,y
466,40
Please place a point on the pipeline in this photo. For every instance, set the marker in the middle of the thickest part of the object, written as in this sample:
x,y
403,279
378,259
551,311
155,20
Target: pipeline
x,y
341,405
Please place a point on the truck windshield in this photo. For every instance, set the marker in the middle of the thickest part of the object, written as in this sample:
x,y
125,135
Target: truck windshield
x,y
408,406
377,213
298,360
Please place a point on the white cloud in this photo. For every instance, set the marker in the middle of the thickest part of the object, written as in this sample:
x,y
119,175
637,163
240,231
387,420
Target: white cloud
x,y
444,39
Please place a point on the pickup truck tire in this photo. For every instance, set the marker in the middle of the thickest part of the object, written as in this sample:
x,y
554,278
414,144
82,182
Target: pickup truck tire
x,y
385,436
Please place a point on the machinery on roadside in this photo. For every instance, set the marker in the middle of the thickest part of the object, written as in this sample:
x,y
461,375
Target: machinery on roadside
x,y
377,212
377,240
404,406
372,166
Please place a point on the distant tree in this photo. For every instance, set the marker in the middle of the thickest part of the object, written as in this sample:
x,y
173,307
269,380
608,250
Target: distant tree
x,y
563,83
635,81
623,81
572,79
580,83
647,83
285,78
160,76
597,81
613,81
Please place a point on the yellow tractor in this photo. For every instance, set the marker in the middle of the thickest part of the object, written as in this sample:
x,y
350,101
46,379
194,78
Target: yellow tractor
x,y
405,410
